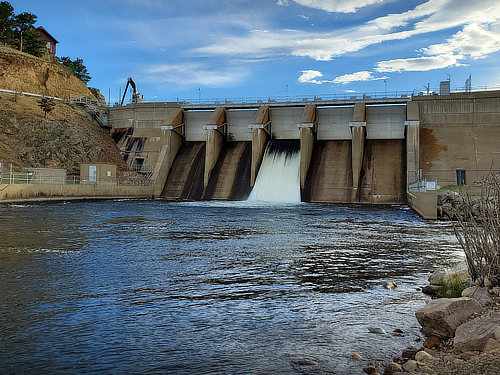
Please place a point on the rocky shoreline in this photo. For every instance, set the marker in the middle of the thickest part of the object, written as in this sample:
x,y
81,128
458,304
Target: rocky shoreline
x,y
462,334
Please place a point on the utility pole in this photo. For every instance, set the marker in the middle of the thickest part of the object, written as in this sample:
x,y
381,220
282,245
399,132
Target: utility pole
x,y
385,84
199,95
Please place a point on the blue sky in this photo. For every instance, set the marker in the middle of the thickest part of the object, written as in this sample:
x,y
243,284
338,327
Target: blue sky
x,y
235,48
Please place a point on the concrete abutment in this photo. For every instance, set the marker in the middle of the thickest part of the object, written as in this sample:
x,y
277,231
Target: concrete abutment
x,y
172,138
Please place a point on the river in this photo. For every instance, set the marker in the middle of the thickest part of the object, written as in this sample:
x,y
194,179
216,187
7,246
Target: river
x,y
210,288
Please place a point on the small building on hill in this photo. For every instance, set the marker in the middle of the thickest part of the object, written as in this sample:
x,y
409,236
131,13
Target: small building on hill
x,y
49,40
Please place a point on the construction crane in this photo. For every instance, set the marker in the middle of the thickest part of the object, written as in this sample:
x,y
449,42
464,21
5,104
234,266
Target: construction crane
x,y
136,97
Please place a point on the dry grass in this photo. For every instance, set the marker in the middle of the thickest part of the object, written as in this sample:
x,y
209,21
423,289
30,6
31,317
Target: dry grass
x,y
22,72
66,138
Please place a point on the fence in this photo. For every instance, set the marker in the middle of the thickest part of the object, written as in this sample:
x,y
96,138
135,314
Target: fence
x,y
28,178
423,185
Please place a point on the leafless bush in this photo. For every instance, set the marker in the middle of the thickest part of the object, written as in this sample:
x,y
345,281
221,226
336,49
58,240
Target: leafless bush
x,y
477,227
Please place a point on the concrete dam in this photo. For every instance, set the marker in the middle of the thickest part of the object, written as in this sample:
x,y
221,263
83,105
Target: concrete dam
x,y
338,151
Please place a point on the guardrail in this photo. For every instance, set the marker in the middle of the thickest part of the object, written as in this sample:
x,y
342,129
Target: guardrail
x,y
393,95
27,178
347,96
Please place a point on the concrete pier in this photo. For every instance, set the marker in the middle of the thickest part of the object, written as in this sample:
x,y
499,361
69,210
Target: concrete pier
x,y
261,132
307,134
215,137
172,137
358,131
412,125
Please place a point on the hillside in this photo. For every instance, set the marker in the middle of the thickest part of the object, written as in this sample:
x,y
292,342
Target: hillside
x,y
66,137
22,72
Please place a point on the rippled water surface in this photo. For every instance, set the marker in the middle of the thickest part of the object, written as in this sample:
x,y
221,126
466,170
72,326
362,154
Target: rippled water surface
x,y
198,288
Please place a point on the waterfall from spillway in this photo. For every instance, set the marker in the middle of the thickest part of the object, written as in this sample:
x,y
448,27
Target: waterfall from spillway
x,y
278,179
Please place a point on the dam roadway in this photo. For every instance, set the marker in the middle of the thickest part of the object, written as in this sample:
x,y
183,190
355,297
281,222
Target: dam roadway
x,y
359,150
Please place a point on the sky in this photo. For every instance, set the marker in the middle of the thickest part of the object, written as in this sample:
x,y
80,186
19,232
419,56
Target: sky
x,y
266,48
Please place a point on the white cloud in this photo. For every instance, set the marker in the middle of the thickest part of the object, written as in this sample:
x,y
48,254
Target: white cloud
x,y
316,77
417,64
473,41
357,77
192,74
430,16
333,6
313,77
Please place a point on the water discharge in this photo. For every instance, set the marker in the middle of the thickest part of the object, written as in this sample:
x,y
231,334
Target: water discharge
x,y
278,179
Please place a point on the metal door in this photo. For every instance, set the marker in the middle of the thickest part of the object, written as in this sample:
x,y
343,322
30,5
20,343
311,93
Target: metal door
x,y
92,174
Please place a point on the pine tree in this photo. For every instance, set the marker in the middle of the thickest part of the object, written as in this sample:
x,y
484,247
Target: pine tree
x,y
6,22
77,67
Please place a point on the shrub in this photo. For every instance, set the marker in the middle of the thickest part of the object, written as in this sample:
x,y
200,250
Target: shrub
x,y
477,227
453,286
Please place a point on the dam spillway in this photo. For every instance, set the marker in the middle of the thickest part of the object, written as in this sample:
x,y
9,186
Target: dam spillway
x,y
185,180
339,152
330,176
278,178
230,179
362,150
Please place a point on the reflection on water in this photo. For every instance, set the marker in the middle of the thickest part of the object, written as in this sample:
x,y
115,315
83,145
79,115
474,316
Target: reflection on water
x,y
190,288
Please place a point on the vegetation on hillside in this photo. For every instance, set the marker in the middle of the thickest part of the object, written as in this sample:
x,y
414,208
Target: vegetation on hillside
x,y
18,31
77,67
65,138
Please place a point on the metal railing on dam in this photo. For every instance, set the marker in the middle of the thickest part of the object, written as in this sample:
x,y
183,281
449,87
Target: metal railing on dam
x,y
332,98
254,101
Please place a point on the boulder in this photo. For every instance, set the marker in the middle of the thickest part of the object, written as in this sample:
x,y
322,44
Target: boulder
x,y
431,290
479,294
356,356
377,330
410,366
492,345
473,335
393,368
442,316
438,277
409,353
371,370
423,357
432,342
390,285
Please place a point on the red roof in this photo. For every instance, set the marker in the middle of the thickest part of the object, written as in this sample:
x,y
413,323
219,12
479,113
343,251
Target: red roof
x,y
46,33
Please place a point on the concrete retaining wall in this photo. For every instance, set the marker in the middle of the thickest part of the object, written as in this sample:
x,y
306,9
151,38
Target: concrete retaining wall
x,y
34,191
424,203
459,131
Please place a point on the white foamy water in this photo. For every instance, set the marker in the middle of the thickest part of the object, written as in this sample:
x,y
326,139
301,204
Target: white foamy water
x,y
278,180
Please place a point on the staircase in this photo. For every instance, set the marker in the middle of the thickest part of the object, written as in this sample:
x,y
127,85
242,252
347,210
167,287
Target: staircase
x,y
98,112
